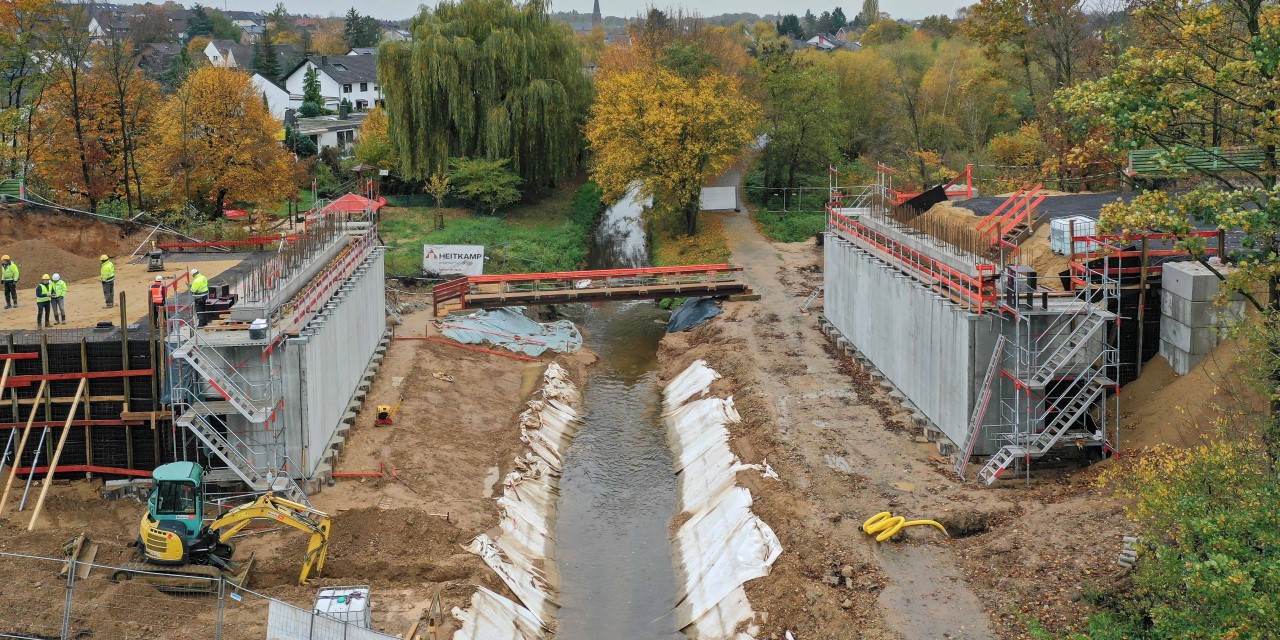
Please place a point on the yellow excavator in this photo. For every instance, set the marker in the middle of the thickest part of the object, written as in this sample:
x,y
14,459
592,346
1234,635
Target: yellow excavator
x,y
194,556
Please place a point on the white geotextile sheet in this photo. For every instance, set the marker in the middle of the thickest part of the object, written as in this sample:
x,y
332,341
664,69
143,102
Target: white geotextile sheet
x,y
723,544
521,548
510,329
493,617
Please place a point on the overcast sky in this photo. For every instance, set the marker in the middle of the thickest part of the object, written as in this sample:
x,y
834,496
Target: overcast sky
x,y
396,9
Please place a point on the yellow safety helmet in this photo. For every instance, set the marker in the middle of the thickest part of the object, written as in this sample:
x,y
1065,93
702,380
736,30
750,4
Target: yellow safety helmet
x,y
4,257
44,277
103,258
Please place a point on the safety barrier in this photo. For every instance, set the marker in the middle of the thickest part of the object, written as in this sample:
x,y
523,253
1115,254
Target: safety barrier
x,y
976,291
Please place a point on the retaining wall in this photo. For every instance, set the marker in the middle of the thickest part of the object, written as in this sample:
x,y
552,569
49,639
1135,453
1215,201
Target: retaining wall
x,y
934,352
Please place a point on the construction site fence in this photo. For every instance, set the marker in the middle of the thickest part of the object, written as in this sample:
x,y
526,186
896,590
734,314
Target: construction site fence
x,y
45,598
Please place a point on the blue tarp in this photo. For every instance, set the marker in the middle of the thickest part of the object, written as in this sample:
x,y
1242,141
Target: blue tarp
x,y
510,329
692,313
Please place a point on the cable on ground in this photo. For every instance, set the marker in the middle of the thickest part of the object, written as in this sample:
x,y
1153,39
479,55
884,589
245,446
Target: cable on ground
x,y
885,525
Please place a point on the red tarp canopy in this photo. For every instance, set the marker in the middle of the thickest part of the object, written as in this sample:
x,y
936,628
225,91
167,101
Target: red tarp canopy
x,y
235,213
352,203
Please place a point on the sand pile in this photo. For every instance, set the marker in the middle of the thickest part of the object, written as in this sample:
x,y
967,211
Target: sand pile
x,y
36,257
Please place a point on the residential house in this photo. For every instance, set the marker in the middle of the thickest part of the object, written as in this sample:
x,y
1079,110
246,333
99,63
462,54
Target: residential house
x,y
245,19
253,33
219,52
155,57
363,51
823,42
274,95
396,34
332,131
108,22
351,78
228,53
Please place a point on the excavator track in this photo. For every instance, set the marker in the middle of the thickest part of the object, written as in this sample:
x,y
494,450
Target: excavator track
x,y
190,578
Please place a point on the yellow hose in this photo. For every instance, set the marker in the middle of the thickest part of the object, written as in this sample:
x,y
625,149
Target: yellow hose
x,y
888,525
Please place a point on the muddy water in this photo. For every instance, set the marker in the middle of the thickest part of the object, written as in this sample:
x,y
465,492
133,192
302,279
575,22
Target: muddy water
x,y
617,492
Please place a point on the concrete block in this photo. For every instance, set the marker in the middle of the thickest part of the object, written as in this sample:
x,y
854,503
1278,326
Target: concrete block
x,y
1189,339
945,447
1192,280
1201,314
1180,361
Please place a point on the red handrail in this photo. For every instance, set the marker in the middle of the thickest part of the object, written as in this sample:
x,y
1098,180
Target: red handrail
x,y
978,289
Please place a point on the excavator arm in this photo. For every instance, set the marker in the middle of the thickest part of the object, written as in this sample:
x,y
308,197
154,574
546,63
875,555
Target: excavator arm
x,y
294,514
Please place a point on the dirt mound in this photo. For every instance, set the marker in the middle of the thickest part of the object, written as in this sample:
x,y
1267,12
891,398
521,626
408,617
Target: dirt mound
x,y
1036,252
36,257
1161,407
75,234
951,214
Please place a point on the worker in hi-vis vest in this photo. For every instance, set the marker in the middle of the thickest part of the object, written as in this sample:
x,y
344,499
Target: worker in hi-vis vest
x,y
200,293
59,301
44,294
108,280
9,273
157,301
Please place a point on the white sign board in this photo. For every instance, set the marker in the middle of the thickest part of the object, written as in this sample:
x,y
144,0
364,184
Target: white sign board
x,y
453,259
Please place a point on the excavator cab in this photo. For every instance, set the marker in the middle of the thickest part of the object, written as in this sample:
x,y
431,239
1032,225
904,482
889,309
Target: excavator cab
x,y
175,513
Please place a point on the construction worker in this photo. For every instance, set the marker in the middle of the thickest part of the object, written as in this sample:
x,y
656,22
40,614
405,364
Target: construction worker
x,y
44,294
9,273
108,280
59,299
200,293
157,301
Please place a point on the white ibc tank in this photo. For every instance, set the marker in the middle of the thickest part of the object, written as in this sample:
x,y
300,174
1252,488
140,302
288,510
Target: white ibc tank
x,y
348,604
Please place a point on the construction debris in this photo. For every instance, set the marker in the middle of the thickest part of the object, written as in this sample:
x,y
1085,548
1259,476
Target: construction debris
x,y
511,330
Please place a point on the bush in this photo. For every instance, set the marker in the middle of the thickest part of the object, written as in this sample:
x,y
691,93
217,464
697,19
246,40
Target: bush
x,y
310,110
587,206
1210,544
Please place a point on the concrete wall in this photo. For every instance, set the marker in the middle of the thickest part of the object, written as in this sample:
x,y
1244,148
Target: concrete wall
x,y
934,352
321,369
338,344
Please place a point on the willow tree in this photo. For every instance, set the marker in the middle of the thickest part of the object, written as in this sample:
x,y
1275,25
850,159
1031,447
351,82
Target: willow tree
x,y
486,79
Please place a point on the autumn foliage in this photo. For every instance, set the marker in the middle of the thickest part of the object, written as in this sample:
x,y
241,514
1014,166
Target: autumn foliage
x,y
214,144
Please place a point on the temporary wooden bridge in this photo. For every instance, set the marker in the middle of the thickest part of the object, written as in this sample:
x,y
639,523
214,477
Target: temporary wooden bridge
x,y
653,283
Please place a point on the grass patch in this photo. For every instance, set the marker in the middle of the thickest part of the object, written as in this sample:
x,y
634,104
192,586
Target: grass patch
x,y
791,226
550,235
708,246
805,213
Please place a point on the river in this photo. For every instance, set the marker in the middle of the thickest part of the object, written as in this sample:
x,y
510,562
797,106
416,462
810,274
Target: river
x,y
618,491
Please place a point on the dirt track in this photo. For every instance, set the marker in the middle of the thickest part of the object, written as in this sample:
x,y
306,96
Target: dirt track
x,y
844,452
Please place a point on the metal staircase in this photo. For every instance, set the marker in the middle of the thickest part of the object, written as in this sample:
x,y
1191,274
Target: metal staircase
x,y
253,400
1070,339
197,371
980,409
1061,378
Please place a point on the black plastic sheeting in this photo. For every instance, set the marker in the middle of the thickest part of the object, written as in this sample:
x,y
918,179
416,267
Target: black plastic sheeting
x,y
692,313
922,203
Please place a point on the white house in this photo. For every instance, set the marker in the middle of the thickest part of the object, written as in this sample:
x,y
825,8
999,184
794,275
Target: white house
x,y
332,131
277,98
219,52
351,78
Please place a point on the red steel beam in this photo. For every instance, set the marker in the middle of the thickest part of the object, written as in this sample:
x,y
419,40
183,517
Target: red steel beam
x,y
601,273
76,423
19,356
91,468
24,381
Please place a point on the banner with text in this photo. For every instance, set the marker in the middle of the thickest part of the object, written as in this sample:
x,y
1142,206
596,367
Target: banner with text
x,y
453,259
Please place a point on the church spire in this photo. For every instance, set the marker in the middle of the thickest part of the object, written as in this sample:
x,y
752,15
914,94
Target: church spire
x,y
596,18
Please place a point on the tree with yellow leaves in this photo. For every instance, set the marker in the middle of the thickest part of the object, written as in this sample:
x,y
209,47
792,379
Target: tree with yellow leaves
x,y
666,133
214,143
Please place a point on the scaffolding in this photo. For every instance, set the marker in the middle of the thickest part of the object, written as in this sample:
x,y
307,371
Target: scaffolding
x,y
1052,379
